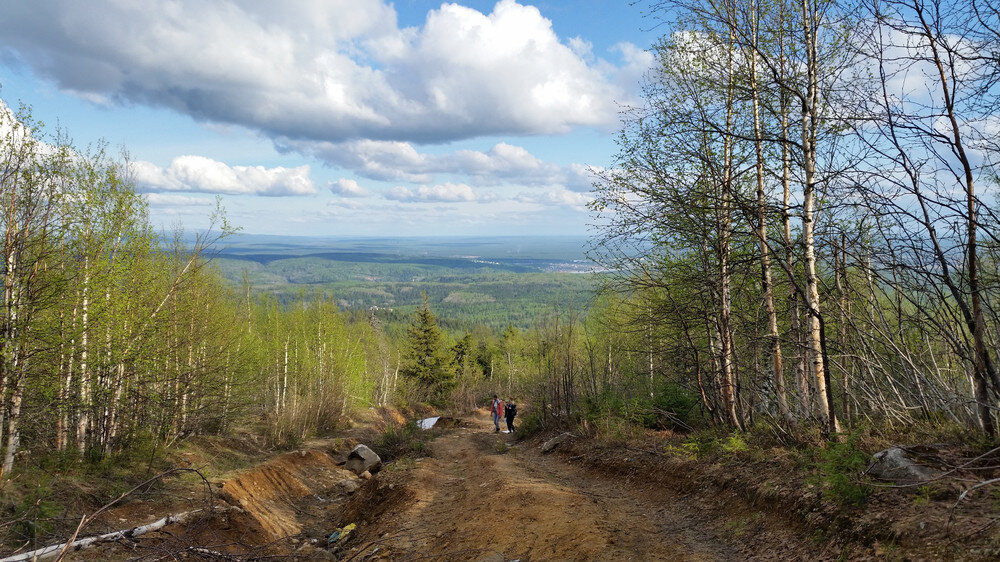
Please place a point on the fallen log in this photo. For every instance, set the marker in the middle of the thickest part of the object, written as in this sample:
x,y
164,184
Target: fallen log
x,y
50,552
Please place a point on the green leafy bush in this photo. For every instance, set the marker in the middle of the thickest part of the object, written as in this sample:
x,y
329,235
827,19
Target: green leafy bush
x,y
529,424
733,444
32,518
672,407
603,405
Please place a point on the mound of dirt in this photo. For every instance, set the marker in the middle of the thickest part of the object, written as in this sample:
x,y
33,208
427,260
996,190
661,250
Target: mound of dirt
x,y
388,493
268,493
770,503
448,422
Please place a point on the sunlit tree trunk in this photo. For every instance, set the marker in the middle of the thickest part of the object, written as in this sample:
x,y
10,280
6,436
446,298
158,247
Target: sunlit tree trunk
x,y
725,235
774,336
83,417
810,125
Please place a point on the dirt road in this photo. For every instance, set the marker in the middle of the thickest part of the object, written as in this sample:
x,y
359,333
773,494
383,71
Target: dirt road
x,y
481,496
478,496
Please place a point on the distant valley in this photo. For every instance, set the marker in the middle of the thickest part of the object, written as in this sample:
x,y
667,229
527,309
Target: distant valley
x,y
495,281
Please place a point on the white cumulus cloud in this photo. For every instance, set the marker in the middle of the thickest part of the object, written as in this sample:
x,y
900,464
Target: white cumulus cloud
x,y
334,70
557,198
172,200
347,188
503,163
201,174
442,193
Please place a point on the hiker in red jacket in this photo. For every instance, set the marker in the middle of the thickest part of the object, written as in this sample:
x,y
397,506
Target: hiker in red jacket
x,y
496,408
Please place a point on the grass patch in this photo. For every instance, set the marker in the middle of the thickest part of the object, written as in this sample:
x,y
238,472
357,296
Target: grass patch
x,y
401,465
743,526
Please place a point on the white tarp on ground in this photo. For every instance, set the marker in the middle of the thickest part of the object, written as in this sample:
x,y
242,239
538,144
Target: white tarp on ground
x,y
427,423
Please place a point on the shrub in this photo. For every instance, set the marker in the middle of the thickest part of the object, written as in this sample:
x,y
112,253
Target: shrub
x,y
840,467
603,405
31,516
672,407
529,424
399,441
733,444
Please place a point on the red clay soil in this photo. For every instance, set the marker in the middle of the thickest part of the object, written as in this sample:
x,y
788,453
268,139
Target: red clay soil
x,y
268,493
254,513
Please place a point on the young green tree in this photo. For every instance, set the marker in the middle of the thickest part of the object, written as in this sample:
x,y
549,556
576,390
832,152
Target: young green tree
x,y
427,361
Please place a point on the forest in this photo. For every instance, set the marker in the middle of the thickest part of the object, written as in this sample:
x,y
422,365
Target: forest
x,y
495,282
799,232
817,180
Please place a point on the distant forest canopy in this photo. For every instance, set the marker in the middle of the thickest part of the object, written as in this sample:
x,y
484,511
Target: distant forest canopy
x,y
491,281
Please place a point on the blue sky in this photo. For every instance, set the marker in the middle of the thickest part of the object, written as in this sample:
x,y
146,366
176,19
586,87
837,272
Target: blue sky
x,y
340,117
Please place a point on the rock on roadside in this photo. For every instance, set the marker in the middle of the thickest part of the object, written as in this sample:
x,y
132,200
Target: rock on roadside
x,y
551,444
896,465
363,459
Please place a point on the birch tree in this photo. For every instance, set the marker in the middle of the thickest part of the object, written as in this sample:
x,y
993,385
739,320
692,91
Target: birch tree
x,y
31,184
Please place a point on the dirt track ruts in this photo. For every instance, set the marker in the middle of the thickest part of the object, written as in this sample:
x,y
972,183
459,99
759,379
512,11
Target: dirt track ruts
x,y
481,495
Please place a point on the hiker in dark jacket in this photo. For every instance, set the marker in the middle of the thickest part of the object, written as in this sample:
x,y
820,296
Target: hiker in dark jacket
x,y
509,412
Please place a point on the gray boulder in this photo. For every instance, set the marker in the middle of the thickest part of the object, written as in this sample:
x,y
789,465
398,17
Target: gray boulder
x,y
551,444
363,459
899,464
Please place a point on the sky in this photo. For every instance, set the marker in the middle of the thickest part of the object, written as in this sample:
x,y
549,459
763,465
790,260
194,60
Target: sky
x,y
340,117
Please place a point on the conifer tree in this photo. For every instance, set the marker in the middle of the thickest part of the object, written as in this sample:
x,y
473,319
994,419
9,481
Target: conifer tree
x,y
463,360
427,361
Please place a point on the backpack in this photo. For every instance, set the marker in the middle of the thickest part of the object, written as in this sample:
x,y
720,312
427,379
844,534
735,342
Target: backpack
x,y
511,410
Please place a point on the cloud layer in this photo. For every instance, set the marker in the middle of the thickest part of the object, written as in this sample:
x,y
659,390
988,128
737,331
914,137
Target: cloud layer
x,y
400,161
200,174
334,71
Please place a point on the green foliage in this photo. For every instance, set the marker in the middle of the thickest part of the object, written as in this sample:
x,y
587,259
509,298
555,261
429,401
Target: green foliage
x,y
465,361
33,516
503,287
839,467
606,404
399,441
529,424
733,445
426,361
672,407
709,443
924,495
687,450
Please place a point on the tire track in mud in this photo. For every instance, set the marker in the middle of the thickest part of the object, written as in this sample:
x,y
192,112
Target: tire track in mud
x,y
481,496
